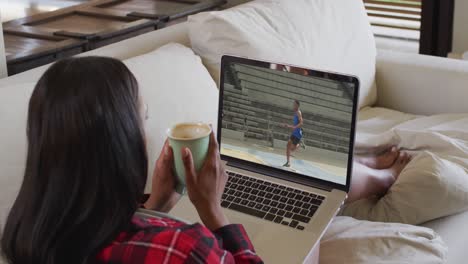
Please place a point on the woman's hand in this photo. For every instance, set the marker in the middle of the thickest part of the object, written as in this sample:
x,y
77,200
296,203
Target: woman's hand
x,y
206,187
163,196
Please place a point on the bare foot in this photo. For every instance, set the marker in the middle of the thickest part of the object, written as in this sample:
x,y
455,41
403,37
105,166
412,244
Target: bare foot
x,y
367,182
381,161
387,177
400,163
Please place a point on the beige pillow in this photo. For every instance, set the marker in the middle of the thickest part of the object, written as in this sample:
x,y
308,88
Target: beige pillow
x,y
431,186
353,241
177,88
320,34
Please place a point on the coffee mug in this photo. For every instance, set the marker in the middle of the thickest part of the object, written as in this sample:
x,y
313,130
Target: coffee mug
x,y
194,136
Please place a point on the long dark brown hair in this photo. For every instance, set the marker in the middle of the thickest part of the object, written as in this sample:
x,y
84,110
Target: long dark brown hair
x,y
86,165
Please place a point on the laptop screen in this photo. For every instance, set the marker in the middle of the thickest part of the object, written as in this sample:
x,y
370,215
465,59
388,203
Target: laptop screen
x,y
289,118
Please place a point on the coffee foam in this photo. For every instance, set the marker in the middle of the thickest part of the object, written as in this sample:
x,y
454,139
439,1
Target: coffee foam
x,y
189,131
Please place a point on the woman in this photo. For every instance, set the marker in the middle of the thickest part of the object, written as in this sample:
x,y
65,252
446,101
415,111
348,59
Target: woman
x,y
86,171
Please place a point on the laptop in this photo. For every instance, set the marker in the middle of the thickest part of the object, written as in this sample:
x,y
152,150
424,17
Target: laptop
x,y
267,113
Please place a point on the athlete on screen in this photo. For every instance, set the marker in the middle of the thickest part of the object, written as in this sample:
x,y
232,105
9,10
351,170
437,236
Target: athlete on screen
x,y
296,135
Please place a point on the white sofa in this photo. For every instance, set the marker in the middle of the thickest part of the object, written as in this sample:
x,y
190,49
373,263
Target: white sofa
x,y
406,82
3,65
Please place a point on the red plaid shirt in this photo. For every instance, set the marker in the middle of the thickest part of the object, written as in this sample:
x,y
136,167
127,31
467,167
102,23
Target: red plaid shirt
x,y
164,240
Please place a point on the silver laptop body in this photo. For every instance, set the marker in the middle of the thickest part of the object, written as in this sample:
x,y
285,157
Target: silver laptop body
x,y
285,210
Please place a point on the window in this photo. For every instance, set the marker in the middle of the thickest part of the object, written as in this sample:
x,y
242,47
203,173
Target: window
x,y
396,23
412,25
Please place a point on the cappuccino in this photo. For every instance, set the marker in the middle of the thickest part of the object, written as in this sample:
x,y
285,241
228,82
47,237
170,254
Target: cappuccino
x,y
189,131
194,136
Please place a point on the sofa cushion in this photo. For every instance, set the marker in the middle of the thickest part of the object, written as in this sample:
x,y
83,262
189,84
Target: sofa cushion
x,y
373,242
14,100
434,184
321,34
454,231
177,88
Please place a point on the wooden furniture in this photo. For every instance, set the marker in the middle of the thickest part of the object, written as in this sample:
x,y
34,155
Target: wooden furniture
x,y
166,10
44,38
37,40
14,9
25,51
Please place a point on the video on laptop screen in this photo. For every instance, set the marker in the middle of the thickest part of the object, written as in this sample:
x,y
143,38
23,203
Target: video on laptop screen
x,y
288,118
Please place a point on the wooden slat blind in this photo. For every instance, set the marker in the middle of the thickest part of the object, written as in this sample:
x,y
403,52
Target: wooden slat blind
x,y
395,14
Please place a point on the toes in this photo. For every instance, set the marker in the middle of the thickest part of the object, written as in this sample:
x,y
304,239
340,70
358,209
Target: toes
x,y
404,158
394,152
391,153
401,158
386,150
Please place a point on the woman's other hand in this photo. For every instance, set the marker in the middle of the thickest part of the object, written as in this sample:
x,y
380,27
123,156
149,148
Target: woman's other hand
x,y
206,187
163,195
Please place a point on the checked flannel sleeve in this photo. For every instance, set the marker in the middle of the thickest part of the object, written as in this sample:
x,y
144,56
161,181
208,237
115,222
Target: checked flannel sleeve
x,y
158,240
230,245
234,239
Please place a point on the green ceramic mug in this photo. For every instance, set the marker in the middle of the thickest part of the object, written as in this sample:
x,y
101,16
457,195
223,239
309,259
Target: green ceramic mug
x,y
196,137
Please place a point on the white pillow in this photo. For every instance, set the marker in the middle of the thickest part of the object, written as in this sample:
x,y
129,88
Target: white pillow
x,y
177,88
14,100
355,242
431,186
321,34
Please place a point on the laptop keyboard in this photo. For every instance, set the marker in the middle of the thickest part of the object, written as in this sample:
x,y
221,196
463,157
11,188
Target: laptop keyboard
x,y
270,201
